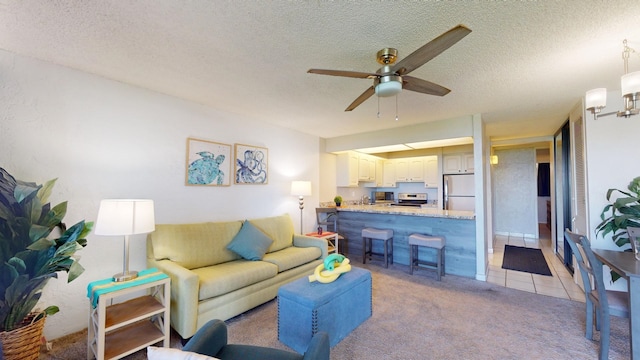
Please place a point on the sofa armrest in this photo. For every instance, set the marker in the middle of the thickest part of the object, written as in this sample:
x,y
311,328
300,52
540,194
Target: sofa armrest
x,y
309,241
209,339
185,286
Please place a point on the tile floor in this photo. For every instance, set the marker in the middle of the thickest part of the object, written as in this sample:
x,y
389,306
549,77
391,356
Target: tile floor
x,y
559,285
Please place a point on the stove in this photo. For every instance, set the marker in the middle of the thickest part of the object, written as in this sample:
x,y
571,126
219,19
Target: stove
x,y
411,199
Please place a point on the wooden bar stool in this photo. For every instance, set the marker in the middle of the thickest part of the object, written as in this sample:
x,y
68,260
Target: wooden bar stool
x,y
386,235
433,242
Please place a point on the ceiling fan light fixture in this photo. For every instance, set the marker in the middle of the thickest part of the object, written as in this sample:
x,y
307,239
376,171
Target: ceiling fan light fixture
x,y
389,85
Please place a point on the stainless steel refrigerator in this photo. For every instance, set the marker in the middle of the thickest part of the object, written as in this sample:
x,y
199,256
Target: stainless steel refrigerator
x,y
459,192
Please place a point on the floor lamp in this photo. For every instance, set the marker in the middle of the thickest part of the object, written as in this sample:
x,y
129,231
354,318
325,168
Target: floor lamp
x,y
124,217
301,189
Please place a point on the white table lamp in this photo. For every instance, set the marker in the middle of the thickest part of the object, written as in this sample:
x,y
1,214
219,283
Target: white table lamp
x,y
301,189
124,217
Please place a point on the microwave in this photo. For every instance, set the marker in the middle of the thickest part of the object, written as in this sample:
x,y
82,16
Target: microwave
x,y
381,196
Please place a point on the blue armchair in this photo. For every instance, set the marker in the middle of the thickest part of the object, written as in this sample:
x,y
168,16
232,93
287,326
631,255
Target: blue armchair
x,y
211,340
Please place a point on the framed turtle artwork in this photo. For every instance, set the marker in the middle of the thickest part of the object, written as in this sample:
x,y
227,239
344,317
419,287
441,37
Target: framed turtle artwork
x,y
251,165
208,163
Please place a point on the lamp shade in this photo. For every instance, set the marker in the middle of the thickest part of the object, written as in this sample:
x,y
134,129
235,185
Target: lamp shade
x,y
301,188
630,83
125,217
596,98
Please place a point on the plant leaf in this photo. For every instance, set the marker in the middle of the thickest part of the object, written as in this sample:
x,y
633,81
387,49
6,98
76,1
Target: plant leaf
x,y
38,232
74,271
24,192
45,190
42,244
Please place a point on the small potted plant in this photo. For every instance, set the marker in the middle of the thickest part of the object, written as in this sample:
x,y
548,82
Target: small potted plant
x,y
338,200
30,255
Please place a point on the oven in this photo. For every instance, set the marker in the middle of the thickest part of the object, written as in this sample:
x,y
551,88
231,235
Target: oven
x,y
411,199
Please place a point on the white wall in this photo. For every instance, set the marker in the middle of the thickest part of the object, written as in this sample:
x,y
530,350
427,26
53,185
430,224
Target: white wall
x,y
515,192
613,160
105,139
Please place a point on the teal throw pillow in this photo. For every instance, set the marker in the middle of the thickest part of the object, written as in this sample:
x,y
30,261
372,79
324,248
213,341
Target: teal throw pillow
x,y
250,242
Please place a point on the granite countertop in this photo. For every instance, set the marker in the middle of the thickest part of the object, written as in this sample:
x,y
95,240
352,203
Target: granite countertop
x,y
410,210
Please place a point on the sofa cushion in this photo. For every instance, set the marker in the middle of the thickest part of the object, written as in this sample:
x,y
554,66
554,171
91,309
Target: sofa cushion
x,y
250,242
224,278
195,245
292,257
279,228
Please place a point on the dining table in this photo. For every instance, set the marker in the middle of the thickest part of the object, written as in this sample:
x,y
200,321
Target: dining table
x,y
625,264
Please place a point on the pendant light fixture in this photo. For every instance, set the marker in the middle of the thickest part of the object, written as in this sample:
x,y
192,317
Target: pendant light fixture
x,y
596,99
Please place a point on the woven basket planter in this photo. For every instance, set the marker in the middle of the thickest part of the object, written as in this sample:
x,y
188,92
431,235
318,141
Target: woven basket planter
x,y
23,343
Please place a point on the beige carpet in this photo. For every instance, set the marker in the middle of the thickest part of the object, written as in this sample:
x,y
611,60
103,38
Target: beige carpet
x,y
416,317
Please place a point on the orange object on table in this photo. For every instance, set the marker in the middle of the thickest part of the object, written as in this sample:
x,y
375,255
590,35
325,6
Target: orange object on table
x,y
323,235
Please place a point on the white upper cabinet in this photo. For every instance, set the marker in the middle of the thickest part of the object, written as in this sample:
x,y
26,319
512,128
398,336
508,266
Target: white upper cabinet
x,y
410,170
431,179
467,161
363,169
457,164
347,168
379,173
416,170
367,168
402,169
389,173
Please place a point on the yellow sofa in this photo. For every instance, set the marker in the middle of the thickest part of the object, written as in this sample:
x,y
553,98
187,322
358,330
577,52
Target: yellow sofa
x,y
209,281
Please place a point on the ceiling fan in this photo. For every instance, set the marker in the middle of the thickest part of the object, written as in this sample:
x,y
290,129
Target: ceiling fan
x,y
391,78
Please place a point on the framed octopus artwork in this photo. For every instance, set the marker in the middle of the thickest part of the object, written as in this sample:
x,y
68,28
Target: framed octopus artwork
x,y
208,163
251,165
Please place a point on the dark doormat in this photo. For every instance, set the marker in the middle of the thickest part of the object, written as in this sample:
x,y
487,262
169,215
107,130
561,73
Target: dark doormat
x,y
525,259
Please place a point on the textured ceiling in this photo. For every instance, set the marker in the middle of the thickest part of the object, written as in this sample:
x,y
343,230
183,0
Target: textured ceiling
x,y
524,66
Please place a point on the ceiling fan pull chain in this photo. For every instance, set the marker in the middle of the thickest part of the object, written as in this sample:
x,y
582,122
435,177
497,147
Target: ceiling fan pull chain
x,y
378,107
396,107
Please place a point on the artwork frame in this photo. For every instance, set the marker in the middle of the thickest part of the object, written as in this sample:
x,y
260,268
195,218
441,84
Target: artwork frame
x,y
251,165
204,170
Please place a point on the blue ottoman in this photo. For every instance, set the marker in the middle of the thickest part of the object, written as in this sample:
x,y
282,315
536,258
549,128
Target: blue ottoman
x,y
338,308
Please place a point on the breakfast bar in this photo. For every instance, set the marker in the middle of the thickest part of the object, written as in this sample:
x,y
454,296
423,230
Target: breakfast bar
x,y
457,227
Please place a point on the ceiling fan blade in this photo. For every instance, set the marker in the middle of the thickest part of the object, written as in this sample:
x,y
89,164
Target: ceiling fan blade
x,y
351,74
430,50
364,96
423,86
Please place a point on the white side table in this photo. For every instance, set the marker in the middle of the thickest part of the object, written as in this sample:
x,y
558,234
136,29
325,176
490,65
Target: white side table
x,y
120,329
331,237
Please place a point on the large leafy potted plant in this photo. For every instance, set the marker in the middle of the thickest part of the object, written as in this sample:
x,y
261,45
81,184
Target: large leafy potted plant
x,y
30,255
620,213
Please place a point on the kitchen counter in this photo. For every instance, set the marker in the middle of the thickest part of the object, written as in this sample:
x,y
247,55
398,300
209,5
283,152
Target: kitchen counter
x,y
457,227
410,210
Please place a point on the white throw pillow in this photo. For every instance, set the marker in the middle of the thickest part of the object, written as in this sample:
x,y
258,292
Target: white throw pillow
x,y
159,353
